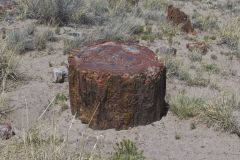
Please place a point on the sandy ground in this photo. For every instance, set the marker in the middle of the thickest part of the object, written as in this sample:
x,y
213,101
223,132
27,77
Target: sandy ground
x,y
158,140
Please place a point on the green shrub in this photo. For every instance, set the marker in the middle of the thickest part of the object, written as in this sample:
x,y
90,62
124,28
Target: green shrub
x,y
60,98
186,107
127,150
220,112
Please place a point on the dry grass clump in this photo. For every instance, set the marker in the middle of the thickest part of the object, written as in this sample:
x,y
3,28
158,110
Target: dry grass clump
x,y
211,68
197,79
94,12
20,40
8,65
117,28
230,34
90,12
176,69
121,28
40,39
186,107
205,23
218,112
35,144
43,141
4,107
50,11
169,31
76,42
155,4
8,71
195,57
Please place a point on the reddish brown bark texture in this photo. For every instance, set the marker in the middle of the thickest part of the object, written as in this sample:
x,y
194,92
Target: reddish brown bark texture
x,y
116,85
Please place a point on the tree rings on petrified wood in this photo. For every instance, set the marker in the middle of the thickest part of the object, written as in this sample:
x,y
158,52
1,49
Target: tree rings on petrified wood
x,y
117,85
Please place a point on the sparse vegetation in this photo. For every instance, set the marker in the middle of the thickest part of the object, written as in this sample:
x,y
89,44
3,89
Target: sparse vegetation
x,y
217,112
127,150
220,112
35,144
50,11
170,30
230,34
186,107
155,4
195,57
40,41
92,12
197,79
8,66
60,100
121,28
75,43
175,68
19,41
211,68
205,23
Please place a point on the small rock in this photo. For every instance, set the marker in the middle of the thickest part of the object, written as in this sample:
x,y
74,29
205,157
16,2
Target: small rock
x,y
6,131
60,75
213,57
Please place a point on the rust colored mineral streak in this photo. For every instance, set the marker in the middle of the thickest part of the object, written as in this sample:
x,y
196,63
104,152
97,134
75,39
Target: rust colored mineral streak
x,y
117,85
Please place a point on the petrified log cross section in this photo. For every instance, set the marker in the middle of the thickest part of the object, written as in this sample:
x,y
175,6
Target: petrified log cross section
x,y
116,85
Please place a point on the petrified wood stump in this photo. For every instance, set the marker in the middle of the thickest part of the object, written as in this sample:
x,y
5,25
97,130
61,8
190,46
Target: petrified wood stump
x,y
116,85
